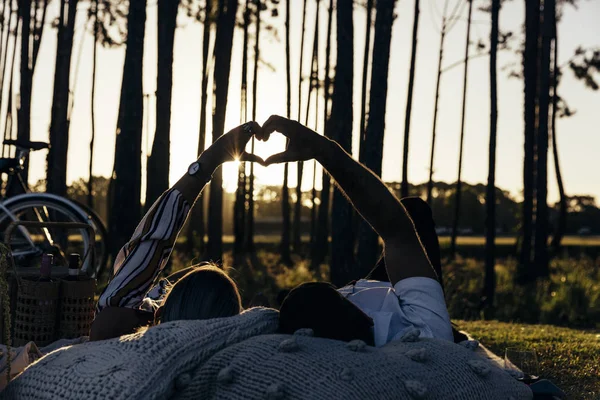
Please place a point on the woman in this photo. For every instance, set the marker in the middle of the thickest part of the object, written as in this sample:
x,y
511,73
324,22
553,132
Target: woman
x,y
200,292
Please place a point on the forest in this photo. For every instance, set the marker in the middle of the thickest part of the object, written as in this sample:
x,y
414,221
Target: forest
x,y
316,225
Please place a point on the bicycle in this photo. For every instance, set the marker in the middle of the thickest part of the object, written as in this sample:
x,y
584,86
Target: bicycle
x,y
30,243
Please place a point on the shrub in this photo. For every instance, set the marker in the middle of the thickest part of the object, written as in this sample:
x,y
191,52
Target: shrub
x,y
570,297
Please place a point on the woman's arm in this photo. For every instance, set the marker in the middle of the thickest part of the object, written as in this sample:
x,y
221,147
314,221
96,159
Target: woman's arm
x,y
142,259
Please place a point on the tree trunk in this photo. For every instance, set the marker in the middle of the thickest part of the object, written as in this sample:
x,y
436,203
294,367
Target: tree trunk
x,y
296,234
59,125
38,29
368,245
239,212
125,208
343,268
321,245
2,42
530,58
26,77
540,258
196,224
250,227
314,85
8,120
458,193
223,46
285,191
489,285
30,45
562,212
90,183
411,84
4,51
157,178
363,94
435,107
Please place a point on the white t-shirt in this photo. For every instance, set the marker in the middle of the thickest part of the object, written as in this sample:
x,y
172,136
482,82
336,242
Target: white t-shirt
x,y
413,302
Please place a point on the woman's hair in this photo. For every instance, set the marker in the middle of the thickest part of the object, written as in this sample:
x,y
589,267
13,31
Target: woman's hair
x,y
205,292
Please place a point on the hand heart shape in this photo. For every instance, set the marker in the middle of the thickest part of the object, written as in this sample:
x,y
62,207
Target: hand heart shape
x,y
302,143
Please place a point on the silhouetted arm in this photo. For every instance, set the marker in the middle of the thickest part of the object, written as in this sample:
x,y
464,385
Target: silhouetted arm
x,y
404,253
140,261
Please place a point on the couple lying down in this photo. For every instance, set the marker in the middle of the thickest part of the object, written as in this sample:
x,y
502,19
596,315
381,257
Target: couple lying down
x,y
403,291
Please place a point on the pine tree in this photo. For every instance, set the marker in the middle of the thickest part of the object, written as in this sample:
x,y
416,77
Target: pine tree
x,y
443,32
321,245
90,183
489,285
159,160
541,257
411,84
530,74
59,124
239,212
363,93
343,267
250,221
368,244
296,234
125,188
196,227
561,224
458,192
285,192
223,46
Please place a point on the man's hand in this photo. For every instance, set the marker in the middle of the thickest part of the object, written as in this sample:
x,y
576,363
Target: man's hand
x,y
231,147
303,143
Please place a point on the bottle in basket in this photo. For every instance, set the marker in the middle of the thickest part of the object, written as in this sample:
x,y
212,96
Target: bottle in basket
x,y
46,268
74,264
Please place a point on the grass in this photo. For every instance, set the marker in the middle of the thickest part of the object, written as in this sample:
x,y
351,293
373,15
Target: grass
x,y
578,241
510,241
568,357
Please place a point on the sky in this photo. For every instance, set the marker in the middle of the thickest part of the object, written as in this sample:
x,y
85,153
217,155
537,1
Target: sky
x,y
578,139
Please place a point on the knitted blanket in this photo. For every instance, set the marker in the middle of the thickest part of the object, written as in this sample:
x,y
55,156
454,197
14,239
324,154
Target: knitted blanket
x,y
243,358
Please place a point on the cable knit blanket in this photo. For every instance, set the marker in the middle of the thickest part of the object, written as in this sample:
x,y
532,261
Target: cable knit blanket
x,y
243,358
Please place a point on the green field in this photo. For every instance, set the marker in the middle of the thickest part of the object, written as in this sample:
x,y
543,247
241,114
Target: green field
x,y
592,241
568,357
510,241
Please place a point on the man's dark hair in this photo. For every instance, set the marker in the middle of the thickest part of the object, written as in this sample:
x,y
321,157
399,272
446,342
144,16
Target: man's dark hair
x,y
281,296
320,307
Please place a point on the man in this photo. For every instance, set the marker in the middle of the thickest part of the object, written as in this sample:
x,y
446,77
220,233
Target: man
x,y
375,311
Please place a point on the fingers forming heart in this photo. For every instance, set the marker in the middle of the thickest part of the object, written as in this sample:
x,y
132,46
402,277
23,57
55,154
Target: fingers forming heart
x,y
275,123
249,157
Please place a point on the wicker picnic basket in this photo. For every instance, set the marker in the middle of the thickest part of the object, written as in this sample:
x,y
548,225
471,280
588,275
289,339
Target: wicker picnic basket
x,y
76,311
35,314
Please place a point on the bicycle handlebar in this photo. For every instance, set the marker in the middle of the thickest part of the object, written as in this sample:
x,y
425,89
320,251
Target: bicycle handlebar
x,y
27,144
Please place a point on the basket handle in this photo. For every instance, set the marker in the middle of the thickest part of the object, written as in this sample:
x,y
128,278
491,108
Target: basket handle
x,y
36,224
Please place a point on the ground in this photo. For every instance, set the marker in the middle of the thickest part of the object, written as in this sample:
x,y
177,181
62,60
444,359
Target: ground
x,y
568,357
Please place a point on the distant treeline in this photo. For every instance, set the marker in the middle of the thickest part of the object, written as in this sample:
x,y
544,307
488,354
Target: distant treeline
x,y
583,212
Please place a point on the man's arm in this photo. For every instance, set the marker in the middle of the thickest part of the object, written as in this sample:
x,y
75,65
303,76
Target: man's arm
x,y
405,255
404,252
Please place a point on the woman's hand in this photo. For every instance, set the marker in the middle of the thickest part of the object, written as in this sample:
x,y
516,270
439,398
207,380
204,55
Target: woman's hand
x,y
303,143
231,147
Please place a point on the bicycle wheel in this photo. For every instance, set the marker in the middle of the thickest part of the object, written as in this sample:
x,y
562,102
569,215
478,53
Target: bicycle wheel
x,y
101,241
30,242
